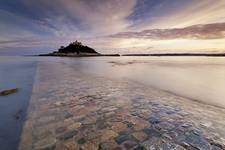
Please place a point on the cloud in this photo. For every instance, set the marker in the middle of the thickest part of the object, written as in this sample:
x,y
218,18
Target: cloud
x,y
44,23
78,16
202,31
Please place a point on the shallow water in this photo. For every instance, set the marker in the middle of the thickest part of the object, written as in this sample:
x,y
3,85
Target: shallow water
x,y
15,72
197,78
71,108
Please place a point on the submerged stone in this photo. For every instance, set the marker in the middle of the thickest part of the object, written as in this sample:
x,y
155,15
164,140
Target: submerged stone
x,y
140,136
108,134
109,145
67,135
60,130
119,126
67,115
154,120
139,148
81,141
197,142
152,132
75,125
101,124
70,145
215,148
45,144
122,138
8,92
129,144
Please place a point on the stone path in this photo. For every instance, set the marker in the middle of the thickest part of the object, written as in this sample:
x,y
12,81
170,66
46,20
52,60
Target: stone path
x,y
74,111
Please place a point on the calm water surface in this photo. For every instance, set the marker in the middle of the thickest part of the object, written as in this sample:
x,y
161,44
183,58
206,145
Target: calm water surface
x,y
198,78
15,72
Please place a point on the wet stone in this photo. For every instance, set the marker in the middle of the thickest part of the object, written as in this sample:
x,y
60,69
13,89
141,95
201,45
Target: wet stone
x,y
60,130
122,138
109,145
81,141
67,115
154,120
76,125
170,112
186,125
130,125
197,142
169,146
45,144
149,144
108,109
118,126
109,114
129,144
167,136
117,148
197,132
181,140
139,148
89,146
165,126
68,134
140,136
152,132
108,134
70,145
100,124
88,120
215,148
45,120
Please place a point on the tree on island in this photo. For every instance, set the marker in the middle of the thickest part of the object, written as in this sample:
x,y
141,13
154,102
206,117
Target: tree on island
x,y
76,47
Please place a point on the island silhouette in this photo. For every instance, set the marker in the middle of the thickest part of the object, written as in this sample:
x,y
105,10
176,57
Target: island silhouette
x,y
76,49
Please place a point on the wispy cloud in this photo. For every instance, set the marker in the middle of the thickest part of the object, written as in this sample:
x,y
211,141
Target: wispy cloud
x,y
44,23
202,31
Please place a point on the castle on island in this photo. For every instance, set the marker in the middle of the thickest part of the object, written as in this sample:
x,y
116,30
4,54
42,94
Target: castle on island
x,y
77,48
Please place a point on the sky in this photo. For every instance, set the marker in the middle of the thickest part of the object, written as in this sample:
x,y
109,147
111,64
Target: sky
x,y
113,26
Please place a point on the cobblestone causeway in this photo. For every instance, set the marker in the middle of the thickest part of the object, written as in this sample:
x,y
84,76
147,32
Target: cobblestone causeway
x,y
70,110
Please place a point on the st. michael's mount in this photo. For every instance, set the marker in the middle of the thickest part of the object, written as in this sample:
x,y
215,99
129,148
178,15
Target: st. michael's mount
x,y
76,49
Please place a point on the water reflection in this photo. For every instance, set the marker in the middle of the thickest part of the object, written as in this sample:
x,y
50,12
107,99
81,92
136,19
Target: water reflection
x,y
198,78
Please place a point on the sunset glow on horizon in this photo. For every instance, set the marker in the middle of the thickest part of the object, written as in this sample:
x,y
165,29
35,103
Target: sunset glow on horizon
x,y
121,26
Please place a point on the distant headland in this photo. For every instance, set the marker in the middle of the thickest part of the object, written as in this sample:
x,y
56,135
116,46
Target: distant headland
x,y
76,49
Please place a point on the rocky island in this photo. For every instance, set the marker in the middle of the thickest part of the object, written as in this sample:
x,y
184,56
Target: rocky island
x,y
76,49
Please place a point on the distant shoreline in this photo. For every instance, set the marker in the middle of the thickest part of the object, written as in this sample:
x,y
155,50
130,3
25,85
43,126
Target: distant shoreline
x,y
178,54
118,55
